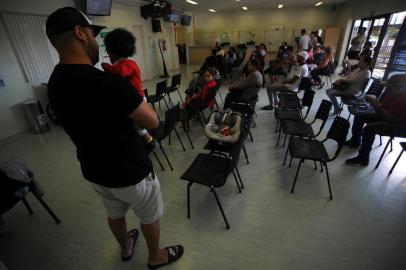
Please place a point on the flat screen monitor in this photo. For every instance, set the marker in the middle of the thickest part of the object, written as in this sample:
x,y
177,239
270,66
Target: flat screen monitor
x,y
98,7
156,25
185,20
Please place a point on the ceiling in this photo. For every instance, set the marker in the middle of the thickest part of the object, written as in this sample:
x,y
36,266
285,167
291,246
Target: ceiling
x,y
227,5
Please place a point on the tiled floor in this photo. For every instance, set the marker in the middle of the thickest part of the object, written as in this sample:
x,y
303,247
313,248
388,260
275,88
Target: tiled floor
x,y
364,227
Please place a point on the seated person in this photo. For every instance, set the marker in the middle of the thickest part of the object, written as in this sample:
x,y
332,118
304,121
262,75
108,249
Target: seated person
x,y
196,84
274,65
210,61
350,84
318,55
389,119
292,82
208,83
243,91
284,65
348,64
323,67
230,59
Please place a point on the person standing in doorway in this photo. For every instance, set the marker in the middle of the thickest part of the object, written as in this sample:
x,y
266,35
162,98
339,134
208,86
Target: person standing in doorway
x,y
356,44
304,41
97,109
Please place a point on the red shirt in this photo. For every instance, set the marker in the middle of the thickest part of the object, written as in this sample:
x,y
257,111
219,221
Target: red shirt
x,y
129,69
205,92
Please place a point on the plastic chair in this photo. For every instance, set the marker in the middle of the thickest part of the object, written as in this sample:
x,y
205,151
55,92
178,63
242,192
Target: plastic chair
x,y
212,170
159,95
303,129
175,85
311,149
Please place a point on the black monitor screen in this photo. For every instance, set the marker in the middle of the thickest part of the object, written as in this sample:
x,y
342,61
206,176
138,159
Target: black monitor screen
x,y
98,7
185,20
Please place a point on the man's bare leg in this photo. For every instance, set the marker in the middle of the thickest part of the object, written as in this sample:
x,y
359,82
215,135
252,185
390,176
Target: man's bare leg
x,y
151,234
119,229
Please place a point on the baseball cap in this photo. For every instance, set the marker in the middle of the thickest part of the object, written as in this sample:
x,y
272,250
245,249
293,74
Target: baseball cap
x,y
65,19
303,54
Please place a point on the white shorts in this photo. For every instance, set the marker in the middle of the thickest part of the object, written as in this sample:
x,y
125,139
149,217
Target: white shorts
x,y
144,199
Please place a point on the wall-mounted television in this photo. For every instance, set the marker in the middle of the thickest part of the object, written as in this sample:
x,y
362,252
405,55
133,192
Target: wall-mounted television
x,y
185,20
98,7
157,9
156,25
174,17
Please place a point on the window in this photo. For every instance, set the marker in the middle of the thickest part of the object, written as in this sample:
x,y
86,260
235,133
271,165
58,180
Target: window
x,y
35,53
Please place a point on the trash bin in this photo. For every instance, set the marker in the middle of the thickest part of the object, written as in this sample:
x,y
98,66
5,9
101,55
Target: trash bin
x,y
36,116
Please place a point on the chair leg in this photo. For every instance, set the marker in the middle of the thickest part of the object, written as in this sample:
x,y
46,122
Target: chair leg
x,y
396,162
159,161
297,173
27,205
286,156
166,104
284,140
328,181
277,125
170,100
166,157
236,181
245,152
177,135
279,137
290,163
187,134
380,140
321,166
239,177
315,165
181,99
383,153
188,198
47,208
221,208
391,144
252,139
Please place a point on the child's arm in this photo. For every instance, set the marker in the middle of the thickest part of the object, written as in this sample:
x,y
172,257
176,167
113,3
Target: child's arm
x,y
122,70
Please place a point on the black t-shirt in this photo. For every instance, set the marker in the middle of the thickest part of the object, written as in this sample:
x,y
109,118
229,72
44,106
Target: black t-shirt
x,y
93,108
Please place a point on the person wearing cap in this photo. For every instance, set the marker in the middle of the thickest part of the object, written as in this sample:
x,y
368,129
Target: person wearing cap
x,y
292,82
97,110
350,84
389,119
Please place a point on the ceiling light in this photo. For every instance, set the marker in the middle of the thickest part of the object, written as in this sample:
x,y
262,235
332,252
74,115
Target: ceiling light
x,y
244,8
237,0
280,6
318,4
212,10
191,2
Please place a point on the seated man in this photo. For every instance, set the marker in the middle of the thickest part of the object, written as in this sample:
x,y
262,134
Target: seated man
x,y
348,64
389,119
297,72
243,91
350,84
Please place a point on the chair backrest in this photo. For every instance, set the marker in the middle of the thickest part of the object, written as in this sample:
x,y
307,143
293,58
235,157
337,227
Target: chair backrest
x,y
176,79
171,118
160,88
307,100
376,88
323,113
338,132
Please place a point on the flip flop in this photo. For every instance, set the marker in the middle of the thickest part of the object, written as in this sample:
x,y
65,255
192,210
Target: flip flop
x,y
134,235
174,254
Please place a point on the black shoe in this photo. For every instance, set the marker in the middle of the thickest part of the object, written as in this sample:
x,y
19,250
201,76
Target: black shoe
x,y
267,108
352,144
357,161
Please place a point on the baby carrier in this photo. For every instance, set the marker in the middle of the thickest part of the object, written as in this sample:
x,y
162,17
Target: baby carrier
x,y
224,126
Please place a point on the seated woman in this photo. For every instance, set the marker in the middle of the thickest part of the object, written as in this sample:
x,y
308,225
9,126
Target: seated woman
x,y
244,90
288,58
323,68
208,84
350,84
318,55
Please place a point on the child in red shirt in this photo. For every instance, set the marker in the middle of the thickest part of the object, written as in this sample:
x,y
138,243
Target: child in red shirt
x,y
120,46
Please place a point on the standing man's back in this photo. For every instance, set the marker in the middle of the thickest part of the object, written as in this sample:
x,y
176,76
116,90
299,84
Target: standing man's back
x,y
97,109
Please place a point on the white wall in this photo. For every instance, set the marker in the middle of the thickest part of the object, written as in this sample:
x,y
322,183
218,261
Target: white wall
x,y
17,90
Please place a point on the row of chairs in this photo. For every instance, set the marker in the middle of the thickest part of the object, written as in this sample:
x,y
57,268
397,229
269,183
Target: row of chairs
x,y
303,144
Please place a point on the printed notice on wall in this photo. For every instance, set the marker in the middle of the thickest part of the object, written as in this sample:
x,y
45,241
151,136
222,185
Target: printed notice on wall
x,y
2,84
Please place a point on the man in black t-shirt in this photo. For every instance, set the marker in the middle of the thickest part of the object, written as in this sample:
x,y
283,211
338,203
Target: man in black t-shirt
x,y
97,109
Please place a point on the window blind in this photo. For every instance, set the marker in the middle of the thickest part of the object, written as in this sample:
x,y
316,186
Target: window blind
x,y
35,53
